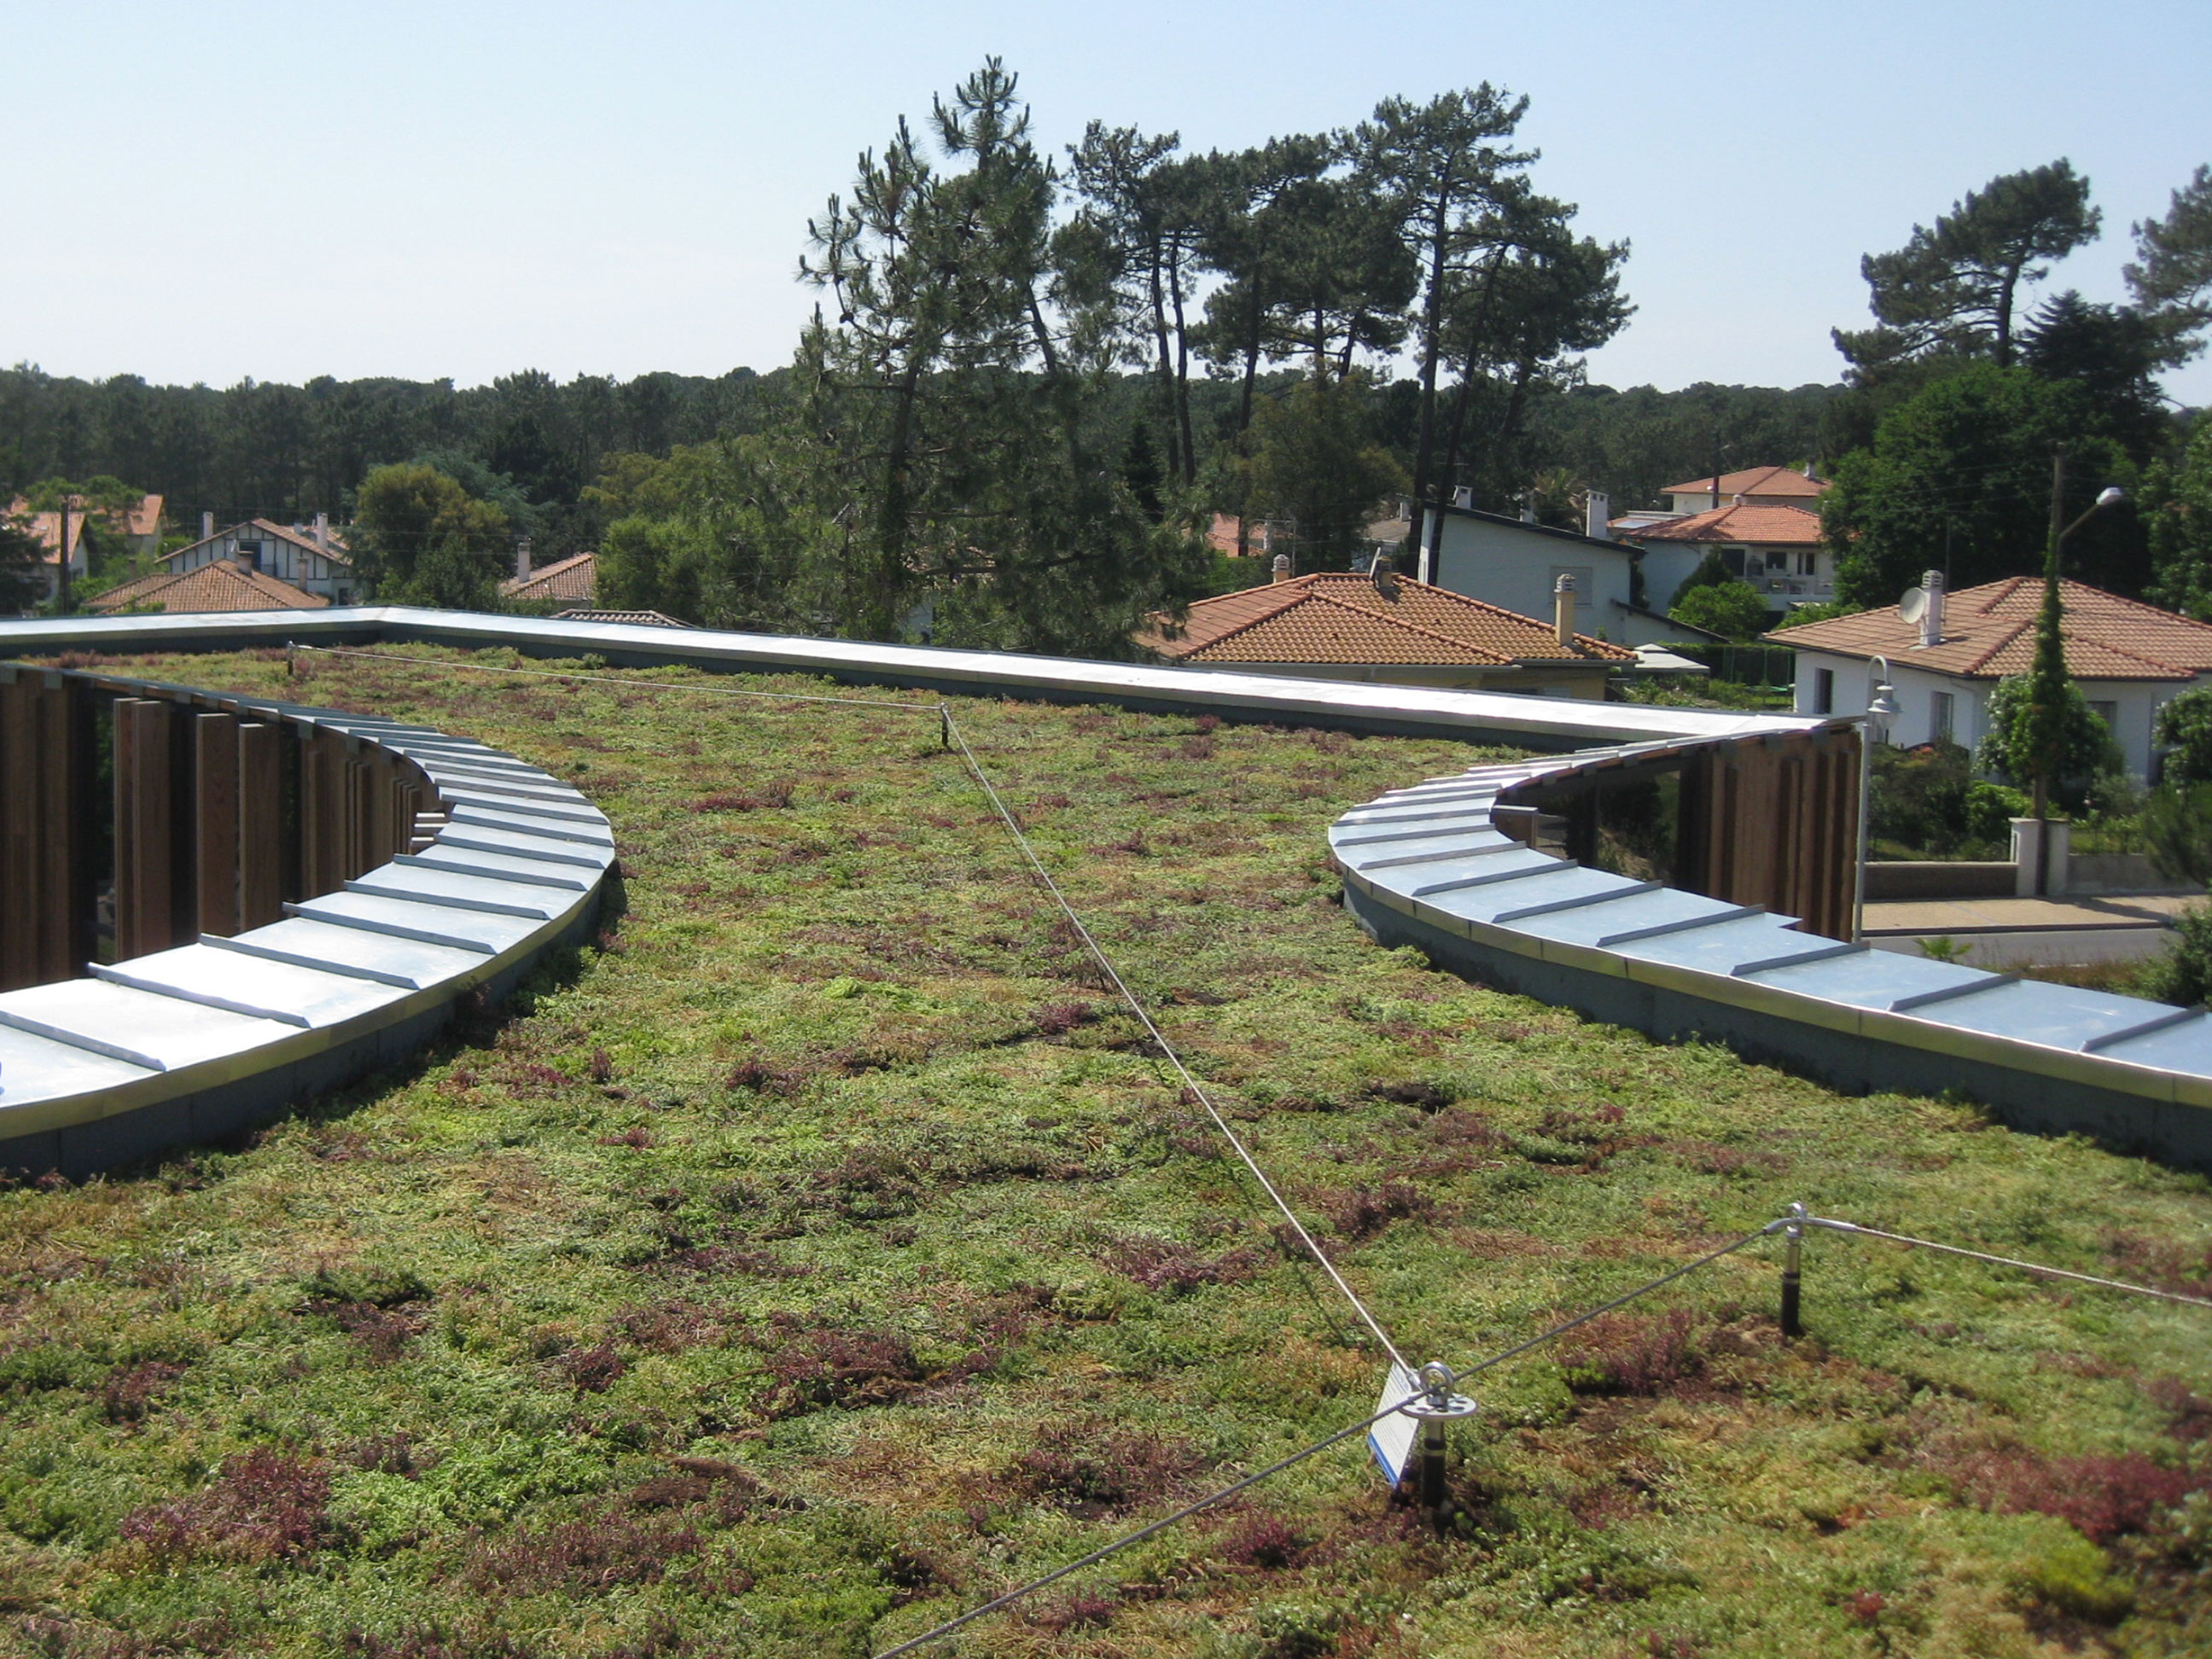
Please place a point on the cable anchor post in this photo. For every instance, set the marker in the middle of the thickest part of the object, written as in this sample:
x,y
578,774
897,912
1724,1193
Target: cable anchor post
x,y
1439,1405
1793,1243
945,726
291,661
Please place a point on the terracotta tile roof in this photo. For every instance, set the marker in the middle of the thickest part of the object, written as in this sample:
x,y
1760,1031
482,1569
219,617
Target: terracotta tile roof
x,y
1754,481
1760,526
143,519
1989,632
571,580
1332,618
220,586
335,550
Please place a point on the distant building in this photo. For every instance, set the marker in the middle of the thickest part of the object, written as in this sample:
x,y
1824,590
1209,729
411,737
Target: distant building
x,y
1777,549
630,618
1384,627
1515,565
306,557
137,528
2127,657
573,581
230,585
1754,486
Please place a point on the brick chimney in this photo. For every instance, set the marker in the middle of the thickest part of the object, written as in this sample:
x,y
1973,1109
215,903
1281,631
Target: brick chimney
x,y
1281,570
1563,611
1597,516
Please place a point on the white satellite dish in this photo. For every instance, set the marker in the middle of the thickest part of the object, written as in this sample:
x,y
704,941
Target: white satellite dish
x,y
1914,605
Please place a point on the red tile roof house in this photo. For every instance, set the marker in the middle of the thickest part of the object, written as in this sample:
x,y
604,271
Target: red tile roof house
x,y
307,556
1763,521
1389,628
232,584
570,582
139,527
2129,658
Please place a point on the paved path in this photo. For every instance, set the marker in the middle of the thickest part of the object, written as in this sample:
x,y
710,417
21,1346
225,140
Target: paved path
x,y
1918,916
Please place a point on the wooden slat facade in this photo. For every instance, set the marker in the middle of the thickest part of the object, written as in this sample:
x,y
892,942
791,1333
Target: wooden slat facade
x,y
217,820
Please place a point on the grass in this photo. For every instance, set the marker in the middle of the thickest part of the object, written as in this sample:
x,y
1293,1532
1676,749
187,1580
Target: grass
x,y
823,1253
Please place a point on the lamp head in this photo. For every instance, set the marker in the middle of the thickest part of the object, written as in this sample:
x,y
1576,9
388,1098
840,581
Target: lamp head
x,y
2112,496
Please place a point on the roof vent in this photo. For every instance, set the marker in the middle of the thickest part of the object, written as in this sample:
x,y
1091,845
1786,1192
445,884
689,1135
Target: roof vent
x,y
1385,571
1280,571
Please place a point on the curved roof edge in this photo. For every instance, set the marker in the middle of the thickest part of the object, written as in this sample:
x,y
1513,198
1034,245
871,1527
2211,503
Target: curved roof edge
x,y
1671,962
1541,722
190,1043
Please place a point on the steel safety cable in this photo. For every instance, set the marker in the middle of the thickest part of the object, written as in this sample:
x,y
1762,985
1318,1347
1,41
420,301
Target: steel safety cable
x,y
1167,1050
1091,1557
1853,1229
952,731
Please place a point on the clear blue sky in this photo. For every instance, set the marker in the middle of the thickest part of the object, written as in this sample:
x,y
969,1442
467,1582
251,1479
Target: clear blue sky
x,y
225,189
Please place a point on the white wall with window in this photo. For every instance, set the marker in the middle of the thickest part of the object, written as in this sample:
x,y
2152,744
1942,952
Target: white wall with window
x,y
1929,705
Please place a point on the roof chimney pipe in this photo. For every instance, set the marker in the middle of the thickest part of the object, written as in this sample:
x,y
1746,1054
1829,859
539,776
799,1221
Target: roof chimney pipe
x,y
1597,516
1563,611
1281,570
207,526
522,560
1931,617
323,531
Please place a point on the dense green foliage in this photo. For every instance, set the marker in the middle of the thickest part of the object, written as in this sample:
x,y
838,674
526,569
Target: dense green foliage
x,y
423,539
2176,830
1930,803
2070,747
823,1252
2177,509
2184,974
1731,607
1958,478
2182,727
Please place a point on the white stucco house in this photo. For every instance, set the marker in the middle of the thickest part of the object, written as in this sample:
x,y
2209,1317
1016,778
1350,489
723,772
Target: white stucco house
x,y
2128,657
1517,564
308,557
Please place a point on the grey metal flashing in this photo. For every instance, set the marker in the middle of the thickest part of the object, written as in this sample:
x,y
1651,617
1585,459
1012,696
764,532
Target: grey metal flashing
x,y
1952,992
1628,890
1821,952
2166,1021
247,947
2047,1057
1629,936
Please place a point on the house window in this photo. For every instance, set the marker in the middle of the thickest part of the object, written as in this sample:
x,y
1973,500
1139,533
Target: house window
x,y
1824,690
1776,560
1808,564
1942,712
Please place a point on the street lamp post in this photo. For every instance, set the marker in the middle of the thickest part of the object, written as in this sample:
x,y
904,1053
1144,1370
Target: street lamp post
x,y
2048,677
1873,728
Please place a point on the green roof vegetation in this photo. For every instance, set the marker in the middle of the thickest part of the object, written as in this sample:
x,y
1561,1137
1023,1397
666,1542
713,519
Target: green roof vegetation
x,y
822,1253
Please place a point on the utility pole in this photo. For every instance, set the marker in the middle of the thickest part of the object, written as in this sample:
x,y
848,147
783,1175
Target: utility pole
x,y
62,586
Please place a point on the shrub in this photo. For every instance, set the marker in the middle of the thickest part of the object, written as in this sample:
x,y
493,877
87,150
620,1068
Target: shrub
x,y
1097,1467
1732,608
2184,974
1160,1264
2089,749
2184,729
2177,832
2100,1498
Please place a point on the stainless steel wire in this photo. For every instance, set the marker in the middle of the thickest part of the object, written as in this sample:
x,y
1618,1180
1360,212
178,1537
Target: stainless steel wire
x,y
958,739
1092,1557
1196,1089
2036,1267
